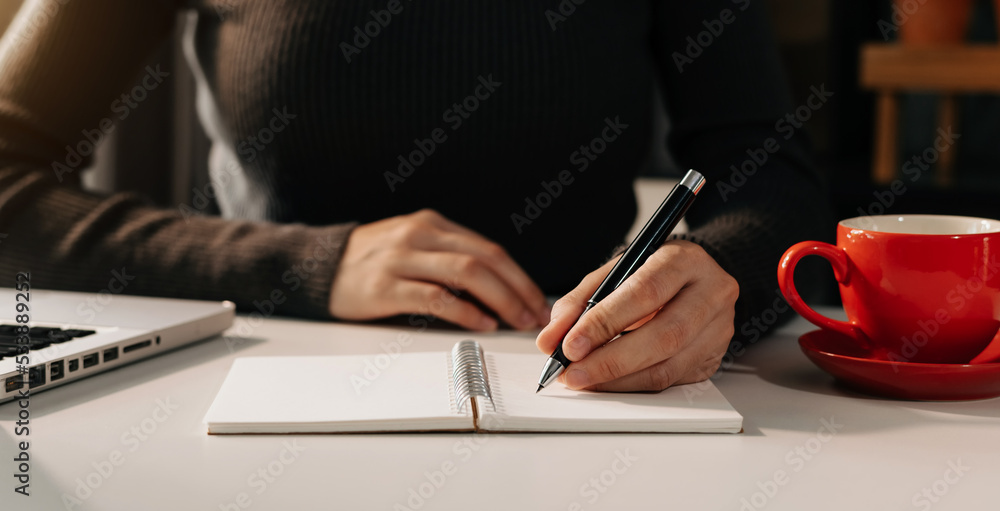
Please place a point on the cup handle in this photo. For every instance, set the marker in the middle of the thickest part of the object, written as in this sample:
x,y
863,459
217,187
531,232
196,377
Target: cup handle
x,y
786,282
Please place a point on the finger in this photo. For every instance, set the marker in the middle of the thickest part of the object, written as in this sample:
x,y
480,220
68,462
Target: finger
x,y
566,311
469,274
652,285
442,222
672,330
696,363
417,297
504,266
468,242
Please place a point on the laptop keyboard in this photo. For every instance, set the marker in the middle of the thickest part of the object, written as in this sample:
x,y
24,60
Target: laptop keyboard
x,y
39,337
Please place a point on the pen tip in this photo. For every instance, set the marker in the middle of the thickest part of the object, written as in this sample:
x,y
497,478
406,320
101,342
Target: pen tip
x,y
539,389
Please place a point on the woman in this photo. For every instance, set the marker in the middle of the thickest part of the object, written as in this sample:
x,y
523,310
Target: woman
x,y
388,157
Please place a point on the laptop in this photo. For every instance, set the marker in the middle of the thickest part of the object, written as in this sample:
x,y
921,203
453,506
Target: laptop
x,y
76,335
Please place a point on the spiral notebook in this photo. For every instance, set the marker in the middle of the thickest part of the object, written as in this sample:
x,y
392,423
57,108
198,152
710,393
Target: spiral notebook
x,y
460,390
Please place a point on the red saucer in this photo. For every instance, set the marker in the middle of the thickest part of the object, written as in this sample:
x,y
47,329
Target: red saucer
x,y
839,356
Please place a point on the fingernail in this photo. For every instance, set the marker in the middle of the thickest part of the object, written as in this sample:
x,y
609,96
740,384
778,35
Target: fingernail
x,y
576,347
527,320
487,323
576,378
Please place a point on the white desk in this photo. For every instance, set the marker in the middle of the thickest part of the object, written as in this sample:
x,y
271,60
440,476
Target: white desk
x,y
885,453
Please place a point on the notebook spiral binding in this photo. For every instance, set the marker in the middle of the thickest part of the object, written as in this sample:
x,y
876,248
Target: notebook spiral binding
x,y
469,373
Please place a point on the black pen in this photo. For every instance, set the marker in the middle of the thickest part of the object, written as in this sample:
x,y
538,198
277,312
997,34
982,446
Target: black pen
x,y
659,226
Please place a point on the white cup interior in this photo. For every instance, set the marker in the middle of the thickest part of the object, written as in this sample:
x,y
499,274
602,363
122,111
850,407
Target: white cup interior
x,y
923,224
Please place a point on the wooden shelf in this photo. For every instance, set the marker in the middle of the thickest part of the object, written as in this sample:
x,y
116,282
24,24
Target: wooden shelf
x,y
972,68
889,69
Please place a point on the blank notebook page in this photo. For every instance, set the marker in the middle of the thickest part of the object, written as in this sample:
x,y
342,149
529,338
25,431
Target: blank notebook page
x,y
329,394
700,407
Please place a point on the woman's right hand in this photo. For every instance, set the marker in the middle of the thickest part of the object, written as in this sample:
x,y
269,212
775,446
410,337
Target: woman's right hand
x,y
423,263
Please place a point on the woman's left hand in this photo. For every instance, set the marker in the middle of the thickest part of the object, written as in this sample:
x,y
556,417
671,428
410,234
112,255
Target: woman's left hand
x,y
679,307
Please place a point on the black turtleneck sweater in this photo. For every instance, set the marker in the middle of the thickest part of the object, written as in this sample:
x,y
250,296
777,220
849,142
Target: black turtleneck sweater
x,y
523,120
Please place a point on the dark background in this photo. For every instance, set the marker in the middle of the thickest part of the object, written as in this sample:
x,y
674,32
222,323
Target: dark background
x,y
819,42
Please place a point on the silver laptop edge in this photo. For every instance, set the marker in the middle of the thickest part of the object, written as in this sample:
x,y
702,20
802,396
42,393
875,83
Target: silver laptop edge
x,y
127,329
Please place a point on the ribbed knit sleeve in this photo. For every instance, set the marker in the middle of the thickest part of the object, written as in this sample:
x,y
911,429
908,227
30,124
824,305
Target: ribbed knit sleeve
x,y
64,66
515,90
727,102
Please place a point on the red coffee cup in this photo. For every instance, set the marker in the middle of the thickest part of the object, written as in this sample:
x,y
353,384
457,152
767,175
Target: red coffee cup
x,y
916,288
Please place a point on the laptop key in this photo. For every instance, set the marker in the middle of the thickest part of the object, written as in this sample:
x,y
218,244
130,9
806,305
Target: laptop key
x,y
74,333
37,344
9,329
58,337
8,351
